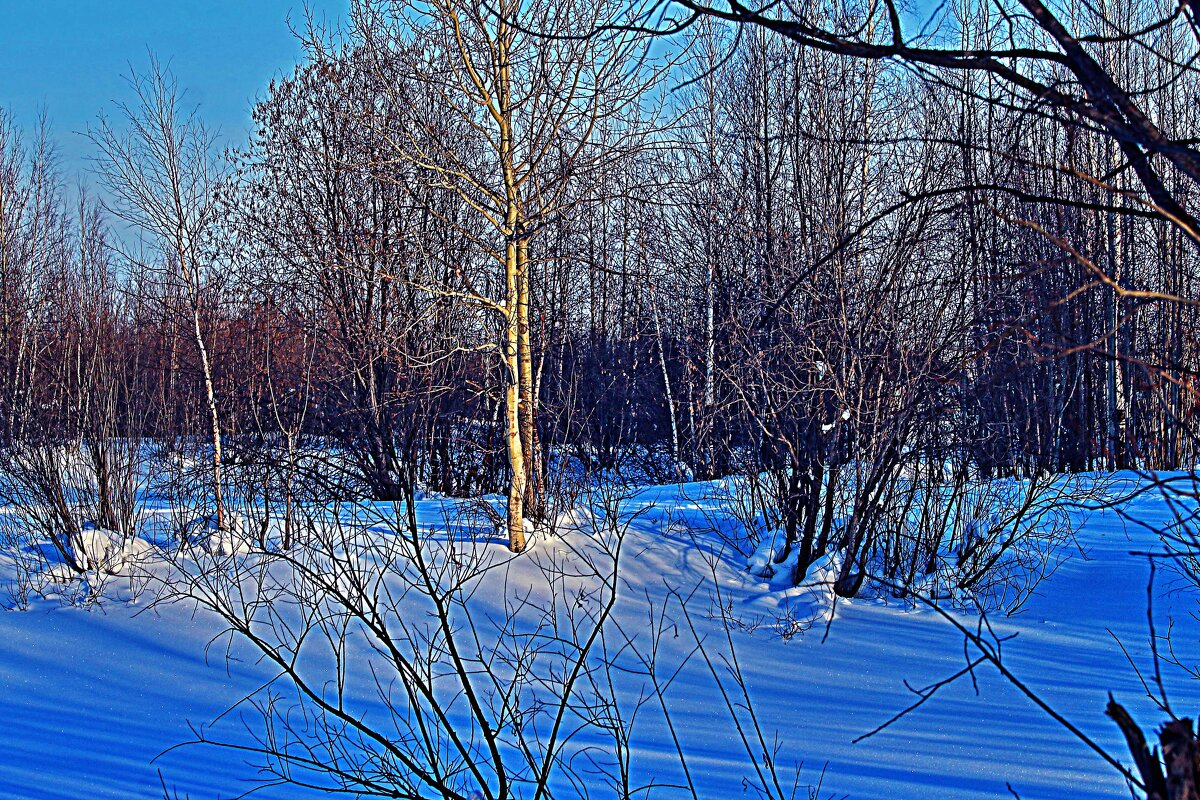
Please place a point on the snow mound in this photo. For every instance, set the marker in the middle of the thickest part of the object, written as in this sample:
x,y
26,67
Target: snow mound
x,y
794,605
107,551
231,539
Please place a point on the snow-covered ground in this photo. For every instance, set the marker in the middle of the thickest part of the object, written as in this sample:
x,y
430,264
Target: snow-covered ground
x,y
90,698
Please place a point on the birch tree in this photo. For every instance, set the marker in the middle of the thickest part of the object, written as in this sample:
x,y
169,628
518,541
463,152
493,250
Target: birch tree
x,y
536,123
157,163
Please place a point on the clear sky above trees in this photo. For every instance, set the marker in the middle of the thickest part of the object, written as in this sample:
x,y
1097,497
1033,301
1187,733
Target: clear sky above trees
x,y
70,57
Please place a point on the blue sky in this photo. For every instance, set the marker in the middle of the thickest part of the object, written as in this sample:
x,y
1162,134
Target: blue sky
x,y
70,57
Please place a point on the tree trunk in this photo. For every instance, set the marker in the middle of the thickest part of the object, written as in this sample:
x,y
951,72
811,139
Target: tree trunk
x,y
214,418
535,497
676,458
1179,754
512,405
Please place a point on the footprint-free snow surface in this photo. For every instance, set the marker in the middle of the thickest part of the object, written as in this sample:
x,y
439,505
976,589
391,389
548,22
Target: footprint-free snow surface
x,y
92,700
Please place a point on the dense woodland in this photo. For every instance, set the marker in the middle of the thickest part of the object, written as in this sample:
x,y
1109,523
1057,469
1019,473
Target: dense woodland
x,y
473,250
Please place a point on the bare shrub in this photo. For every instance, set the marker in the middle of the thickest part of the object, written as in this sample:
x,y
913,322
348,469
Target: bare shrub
x,y
73,510
396,679
948,537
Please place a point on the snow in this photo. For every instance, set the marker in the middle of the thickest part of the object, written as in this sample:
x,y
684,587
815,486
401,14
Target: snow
x,y
107,551
233,539
92,699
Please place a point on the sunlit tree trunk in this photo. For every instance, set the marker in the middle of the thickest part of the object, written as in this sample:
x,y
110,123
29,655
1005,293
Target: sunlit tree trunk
x,y
512,403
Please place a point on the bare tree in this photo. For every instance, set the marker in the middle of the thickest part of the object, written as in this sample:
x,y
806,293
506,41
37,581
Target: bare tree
x,y
523,130
162,176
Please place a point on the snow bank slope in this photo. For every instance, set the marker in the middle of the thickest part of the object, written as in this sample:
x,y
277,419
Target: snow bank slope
x,y
88,699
